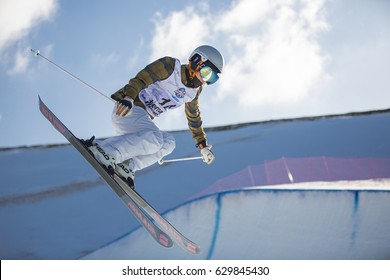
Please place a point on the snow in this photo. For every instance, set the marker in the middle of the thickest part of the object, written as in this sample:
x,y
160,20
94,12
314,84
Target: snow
x,y
53,205
304,221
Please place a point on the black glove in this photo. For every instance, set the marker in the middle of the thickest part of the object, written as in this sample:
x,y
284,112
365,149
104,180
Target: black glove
x,y
123,106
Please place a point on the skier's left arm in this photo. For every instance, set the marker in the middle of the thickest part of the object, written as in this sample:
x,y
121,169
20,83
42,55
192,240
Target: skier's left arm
x,y
194,118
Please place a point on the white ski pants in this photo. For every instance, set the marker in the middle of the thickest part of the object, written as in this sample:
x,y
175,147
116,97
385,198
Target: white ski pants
x,y
140,143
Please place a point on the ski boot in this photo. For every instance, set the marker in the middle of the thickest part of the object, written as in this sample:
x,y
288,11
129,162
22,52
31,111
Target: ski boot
x,y
88,143
126,174
108,161
101,156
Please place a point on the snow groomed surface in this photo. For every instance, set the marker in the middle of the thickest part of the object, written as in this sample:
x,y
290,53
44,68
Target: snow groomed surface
x,y
316,220
61,209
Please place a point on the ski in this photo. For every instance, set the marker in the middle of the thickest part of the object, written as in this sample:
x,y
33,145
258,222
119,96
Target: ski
x,y
130,197
160,236
179,238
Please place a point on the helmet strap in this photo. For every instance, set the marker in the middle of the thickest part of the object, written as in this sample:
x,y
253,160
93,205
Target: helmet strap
x,y
194,81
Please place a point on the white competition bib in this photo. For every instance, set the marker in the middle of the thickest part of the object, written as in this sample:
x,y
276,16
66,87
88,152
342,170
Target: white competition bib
x,y
168,94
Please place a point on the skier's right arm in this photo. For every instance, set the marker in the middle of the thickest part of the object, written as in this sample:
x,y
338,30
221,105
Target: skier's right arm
x,y
158,70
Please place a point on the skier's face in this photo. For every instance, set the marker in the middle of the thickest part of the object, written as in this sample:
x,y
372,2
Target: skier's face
x,y
199,77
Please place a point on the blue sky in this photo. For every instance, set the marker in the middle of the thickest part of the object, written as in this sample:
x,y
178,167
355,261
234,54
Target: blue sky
x,y
283,59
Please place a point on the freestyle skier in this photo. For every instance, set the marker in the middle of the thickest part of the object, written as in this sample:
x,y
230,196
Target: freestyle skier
x,y
163,85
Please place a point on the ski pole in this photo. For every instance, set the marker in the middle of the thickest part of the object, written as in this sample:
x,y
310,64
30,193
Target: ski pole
x,y
38,53
161,161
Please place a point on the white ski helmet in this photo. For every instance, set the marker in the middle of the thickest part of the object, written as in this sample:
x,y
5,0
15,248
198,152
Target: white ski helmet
x,y
209,56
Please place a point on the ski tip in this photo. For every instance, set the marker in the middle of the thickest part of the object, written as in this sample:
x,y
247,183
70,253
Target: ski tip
x,y
40,102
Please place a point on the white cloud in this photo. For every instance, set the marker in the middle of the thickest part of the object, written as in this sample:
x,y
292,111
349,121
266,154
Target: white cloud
x,y
271,48
282,61
21,63
243,15
179,32
17,19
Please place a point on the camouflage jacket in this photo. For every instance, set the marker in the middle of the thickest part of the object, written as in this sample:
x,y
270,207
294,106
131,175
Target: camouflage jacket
x,y
160,70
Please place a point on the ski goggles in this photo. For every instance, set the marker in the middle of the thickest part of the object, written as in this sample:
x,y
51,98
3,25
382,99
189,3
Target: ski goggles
x,y
208,74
